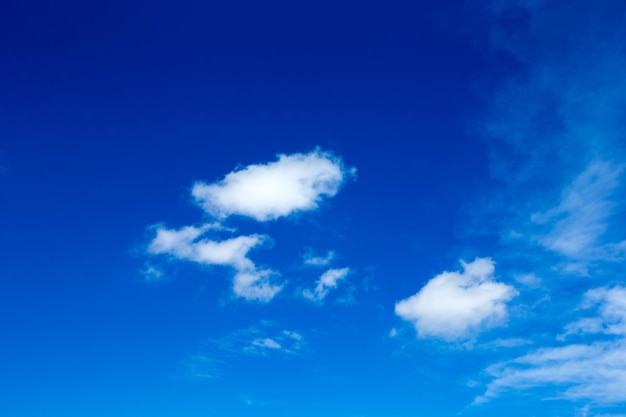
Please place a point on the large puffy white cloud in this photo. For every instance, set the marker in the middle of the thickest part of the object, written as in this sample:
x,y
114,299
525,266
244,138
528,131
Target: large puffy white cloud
x,y
253,284
293,183
327,282
454,305
585,370
187,244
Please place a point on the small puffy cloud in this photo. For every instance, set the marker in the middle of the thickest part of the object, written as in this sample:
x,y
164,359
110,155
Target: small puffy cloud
x,y
255,285
187,244
452,305
328,281
294,183
312,259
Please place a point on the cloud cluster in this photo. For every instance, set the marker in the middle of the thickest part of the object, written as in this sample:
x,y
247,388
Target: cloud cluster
x,y
265,192
593,370
262,192
454,305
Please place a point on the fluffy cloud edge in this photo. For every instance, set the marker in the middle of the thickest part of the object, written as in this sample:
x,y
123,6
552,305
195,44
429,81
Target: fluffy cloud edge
x,y
264,192
455,305
188,244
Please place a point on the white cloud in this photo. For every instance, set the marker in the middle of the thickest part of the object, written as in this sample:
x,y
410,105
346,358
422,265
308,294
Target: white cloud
x,y
611,305
328,281
256,285
293,183
313,260
266,343
296,182
186,244
453,305
592,372
580,219
589,371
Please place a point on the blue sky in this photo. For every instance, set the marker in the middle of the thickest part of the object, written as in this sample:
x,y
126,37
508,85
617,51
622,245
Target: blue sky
x,y
279,209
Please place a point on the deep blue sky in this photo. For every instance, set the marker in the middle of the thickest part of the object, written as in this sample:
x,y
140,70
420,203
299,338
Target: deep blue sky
x,y
465,256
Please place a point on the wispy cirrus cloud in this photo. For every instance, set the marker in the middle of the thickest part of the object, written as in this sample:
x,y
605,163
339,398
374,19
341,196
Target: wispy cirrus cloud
x,y
265,339
456,305
292,184
327,282
576,226
152,273
591,369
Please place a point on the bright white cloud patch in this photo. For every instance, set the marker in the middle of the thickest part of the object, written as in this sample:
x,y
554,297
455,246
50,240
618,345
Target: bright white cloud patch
x,y
327,282
453,305
296,182
186,244
581,371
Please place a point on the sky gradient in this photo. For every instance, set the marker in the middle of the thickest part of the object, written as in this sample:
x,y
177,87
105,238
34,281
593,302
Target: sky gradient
x,y
279,209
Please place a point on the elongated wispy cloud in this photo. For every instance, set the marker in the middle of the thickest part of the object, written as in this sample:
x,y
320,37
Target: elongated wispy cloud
x,y
327,282
577,224
266,339
187,244
265,192
456,305
588,369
